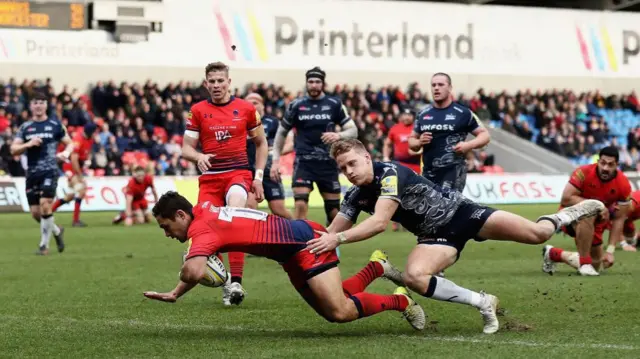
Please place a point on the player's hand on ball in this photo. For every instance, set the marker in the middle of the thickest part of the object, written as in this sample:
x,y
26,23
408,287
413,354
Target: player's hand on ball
x,y
628,248
258,190
169,297
330,137
325,243
128,221
204,162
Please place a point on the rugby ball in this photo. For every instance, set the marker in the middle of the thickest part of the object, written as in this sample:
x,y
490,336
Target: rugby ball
x,y
215,273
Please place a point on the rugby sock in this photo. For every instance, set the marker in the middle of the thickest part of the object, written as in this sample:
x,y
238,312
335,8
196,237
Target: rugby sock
x,y
46,227
447,291
555,254
585,260
362,279
76,210
236,266
56,229
57,204
369,304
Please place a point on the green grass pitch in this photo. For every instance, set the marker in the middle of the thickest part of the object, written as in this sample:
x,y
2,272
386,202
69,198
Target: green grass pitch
x,y
88,303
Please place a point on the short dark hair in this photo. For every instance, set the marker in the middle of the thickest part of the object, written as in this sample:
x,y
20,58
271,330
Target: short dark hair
x,y
344,146
169,204
39,96
216,67
610,151
442,74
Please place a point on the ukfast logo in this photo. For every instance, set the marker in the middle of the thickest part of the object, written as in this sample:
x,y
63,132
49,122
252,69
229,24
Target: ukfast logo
x,y
319,116
41,135
437,127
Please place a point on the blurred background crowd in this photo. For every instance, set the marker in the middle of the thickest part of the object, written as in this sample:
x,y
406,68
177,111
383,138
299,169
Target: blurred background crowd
x,y
144,123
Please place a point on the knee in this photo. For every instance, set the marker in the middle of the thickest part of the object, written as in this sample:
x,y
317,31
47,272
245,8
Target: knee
x,y
416,280
340,315
331,207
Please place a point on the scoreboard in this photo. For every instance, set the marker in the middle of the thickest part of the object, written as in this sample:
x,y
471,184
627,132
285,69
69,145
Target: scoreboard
x,y
22,14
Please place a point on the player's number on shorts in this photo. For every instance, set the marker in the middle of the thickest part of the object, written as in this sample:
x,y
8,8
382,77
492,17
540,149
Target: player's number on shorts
x,y
227,214
222,135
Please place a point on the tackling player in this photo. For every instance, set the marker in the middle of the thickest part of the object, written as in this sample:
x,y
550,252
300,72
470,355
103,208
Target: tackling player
x,y
39,138
136,203
273,191
83,145
440,132
211,229
442,219
601,181
221,125
314,117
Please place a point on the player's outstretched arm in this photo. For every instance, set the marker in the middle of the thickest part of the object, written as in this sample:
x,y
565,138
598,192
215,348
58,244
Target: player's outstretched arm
x,y
339,224
377,223
191,273
171,297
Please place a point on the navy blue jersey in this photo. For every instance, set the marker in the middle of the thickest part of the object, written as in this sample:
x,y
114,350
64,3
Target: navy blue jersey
x,y
449,126
42,158
270,125
423,209
311,118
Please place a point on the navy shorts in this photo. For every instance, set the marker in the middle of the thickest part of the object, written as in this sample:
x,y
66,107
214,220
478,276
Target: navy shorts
x,y
323,173
454,178
41,185
463,226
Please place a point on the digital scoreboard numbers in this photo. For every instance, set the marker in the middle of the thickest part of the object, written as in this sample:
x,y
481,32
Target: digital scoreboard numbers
x,y
44,16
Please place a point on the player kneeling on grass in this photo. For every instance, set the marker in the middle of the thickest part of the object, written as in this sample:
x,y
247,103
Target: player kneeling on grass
x,y
443,220
600,181
211,230
137,204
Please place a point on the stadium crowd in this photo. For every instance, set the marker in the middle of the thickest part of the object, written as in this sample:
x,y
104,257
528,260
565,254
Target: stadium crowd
x,y
144,123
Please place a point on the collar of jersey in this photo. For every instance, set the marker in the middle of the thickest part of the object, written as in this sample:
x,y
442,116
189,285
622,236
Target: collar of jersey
x,y
221,104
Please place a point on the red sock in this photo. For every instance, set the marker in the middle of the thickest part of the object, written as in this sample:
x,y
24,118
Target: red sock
x,y
56,205
555,254
359,282
370,304
585,260
236,265
76,210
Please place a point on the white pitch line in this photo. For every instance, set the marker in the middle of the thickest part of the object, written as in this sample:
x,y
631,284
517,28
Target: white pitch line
x,y
457,339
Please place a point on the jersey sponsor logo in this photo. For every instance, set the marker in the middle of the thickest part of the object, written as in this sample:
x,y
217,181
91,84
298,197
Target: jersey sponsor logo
x,y
41,135
318,116
389,186
222,135
48,128
303,108
325,108
438,127
450,117
427,117
477,214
